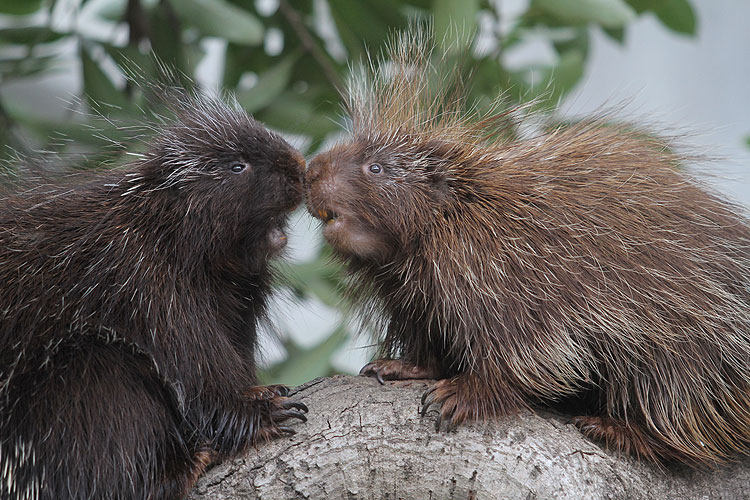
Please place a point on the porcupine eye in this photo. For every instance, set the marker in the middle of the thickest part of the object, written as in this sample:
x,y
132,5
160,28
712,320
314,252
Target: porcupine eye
x,y
372,169
237,167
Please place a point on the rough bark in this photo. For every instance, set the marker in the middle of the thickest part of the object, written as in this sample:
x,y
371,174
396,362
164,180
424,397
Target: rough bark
x,y
366,441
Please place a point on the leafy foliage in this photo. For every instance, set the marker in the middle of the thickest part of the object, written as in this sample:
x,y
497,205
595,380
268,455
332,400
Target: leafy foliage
x,y
285,60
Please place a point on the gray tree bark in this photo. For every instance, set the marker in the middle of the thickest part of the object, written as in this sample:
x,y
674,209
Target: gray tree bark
x,y
367,441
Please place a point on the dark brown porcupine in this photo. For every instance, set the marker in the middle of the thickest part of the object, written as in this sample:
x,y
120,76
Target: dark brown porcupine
x,y
129,305
580,265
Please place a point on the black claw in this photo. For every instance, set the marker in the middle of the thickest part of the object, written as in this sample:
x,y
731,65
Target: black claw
x,y
425,407
370,371
426,393
438,422
288,431
282,391
297,405
281,415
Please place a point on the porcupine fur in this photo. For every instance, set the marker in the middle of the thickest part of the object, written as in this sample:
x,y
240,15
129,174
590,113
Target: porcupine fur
x,y
130,299
581,263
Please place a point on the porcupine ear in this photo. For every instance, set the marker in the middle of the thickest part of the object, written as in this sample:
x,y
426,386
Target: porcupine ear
x,y
438,159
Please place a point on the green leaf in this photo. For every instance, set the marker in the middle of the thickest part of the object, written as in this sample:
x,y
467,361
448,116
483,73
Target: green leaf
x,y
29,36
97,86
576,38
677,15
454,22
607,13
238,60
167,41
20,7
567,72
303,365
550,83
366,23
129,58
616,34
44,128
422,4
640,6
14,67
293,113
221,19
270,84
141,70
320,278
109,10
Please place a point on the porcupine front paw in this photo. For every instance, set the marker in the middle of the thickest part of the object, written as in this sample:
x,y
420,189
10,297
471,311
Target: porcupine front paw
x,y
396,369
267,391
623,437
277,410
466,398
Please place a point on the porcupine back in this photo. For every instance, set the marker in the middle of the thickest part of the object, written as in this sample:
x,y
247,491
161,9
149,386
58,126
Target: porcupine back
x,y
579,259
130,299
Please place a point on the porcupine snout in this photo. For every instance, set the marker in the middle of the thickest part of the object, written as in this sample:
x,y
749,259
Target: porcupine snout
x,y
293,165
321,185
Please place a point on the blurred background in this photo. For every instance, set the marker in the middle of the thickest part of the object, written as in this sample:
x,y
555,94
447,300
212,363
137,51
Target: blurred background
x,y
680,66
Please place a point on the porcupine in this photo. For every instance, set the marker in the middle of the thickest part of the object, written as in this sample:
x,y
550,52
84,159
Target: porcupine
x,y
580,266
130,300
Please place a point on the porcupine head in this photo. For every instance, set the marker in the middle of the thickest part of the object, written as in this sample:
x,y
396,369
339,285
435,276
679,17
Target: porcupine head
x,y
379,192
216,158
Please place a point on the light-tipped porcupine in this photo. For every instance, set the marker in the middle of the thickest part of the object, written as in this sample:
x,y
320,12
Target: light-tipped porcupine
x,y
581,264
130,299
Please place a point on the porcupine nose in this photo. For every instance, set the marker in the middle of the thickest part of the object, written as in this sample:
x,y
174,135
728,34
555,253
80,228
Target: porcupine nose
x,y
314,169
299,163
295,179
317,186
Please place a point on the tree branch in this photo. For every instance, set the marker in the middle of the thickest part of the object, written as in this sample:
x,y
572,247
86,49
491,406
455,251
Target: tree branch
x,y
366,441
136,21
308,42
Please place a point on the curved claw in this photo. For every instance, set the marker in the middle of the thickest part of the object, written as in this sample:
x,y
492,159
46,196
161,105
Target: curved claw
x,y
426,393
438,422
371,369
428,398
282,390
287,430
297,405
426,406
282,415
266,392
451,425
